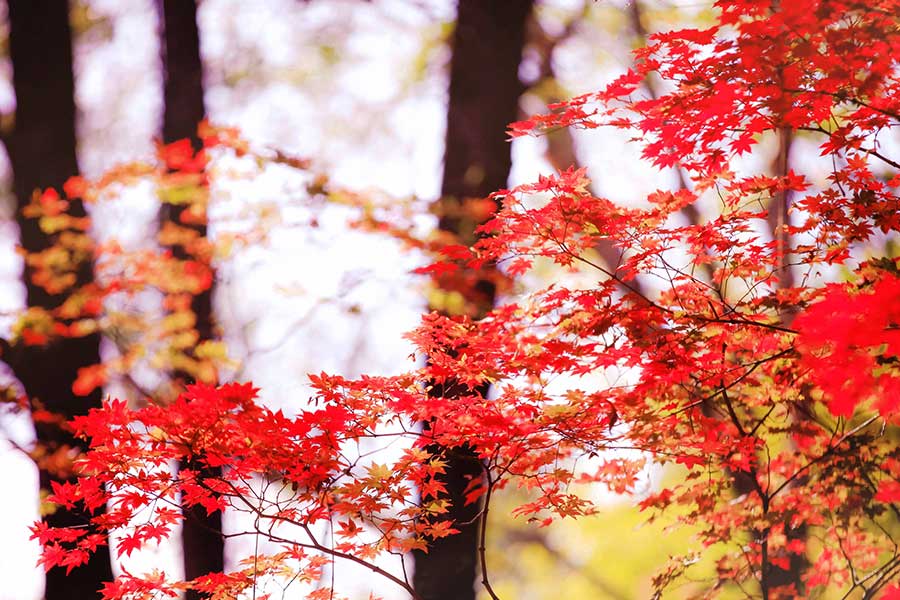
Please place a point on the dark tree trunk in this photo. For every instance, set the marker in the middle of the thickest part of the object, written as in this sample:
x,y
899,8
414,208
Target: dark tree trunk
x,y
483,99
42,152
183,96
183,87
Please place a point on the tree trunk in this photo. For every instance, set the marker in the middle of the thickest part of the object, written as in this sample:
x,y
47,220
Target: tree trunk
x,y
183,81
483,99
42,153
202,541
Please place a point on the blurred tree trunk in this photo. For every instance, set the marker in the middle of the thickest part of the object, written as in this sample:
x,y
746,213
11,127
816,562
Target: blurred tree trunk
x,y
183,81
42,151
483,99
183,110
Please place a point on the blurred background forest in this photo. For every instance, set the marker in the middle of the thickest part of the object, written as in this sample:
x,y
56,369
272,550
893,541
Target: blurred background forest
x,y
360,89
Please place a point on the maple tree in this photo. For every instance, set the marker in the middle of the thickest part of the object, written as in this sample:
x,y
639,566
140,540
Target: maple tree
x,y
184,226
41,147
777,394
477,158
